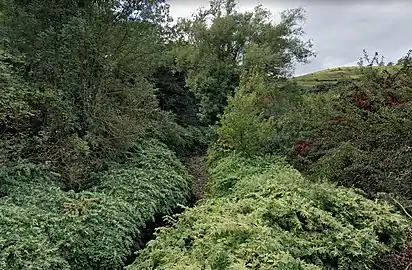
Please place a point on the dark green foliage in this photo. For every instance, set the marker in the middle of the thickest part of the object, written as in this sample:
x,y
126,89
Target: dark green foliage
x,y
357,135
21,109
78,91
262,214
174,95
193,140
84,80
95,96
44,227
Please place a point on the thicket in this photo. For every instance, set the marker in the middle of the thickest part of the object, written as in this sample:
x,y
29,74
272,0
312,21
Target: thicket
x,y
79,173
355,134
81,83
84,86
44,227
87,85
358,134
263,214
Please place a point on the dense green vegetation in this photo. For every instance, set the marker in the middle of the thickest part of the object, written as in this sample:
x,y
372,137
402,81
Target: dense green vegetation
x,y
82,163
215,57
101,101
262,214
44,227
357,134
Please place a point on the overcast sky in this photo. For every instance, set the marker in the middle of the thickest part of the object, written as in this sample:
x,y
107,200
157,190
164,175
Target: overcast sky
x,y
340,29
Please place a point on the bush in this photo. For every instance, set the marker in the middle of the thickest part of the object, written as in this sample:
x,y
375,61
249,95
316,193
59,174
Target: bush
x,y
48,228
21,109
249,122
243,126
358,135
262,214
57,96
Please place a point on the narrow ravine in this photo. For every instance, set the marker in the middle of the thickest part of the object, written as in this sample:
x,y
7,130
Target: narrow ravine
x,y
197,168
147,235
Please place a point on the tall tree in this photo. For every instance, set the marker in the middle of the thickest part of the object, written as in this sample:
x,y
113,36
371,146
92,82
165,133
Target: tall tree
x,y
219,43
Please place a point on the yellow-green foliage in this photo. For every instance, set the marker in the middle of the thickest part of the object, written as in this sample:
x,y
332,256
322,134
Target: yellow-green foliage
x,y
244,126
262,214
249,122
44,227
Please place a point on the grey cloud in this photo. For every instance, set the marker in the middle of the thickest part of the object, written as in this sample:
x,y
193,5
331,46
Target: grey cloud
x,y
341,30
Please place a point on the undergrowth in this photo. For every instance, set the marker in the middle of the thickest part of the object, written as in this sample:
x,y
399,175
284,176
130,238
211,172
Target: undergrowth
x,y
48,228
263,214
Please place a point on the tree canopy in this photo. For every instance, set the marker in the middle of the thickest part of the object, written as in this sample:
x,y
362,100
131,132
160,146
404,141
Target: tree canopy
x,y
216,45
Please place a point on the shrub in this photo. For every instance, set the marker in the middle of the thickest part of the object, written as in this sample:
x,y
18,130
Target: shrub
x,y
249,122
21,108
262,214
244,126
189,140
48,228
23,241
357,135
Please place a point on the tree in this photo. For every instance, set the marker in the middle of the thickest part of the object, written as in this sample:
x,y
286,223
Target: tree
x,y
216,45
172,92
404,60
96,58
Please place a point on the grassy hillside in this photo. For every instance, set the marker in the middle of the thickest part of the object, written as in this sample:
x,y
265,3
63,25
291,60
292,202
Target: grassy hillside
x,y
333,76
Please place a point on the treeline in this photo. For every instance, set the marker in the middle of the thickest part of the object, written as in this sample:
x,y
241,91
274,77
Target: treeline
x,y
84,81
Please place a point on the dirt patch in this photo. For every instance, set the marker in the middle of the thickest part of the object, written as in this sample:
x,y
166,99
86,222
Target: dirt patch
x,y
197,167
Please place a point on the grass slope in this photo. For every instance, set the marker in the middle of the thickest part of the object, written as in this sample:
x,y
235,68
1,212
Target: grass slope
x,y
333,76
